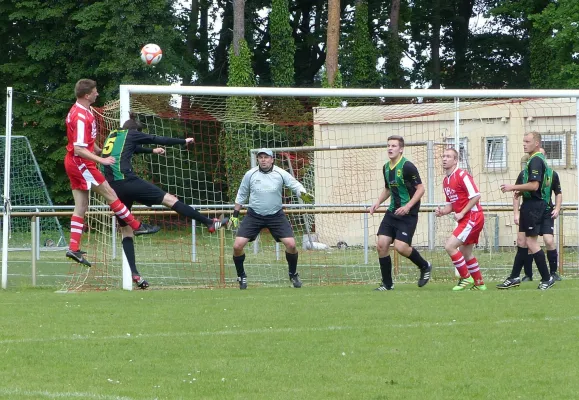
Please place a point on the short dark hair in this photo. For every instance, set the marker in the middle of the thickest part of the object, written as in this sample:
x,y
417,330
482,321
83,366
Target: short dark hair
x,y
84,87
397,137
133,123
454,151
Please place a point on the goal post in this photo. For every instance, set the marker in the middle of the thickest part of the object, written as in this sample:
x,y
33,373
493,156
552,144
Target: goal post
x,y
338,154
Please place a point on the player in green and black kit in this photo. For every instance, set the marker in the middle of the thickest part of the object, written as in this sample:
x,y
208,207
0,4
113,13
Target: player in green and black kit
x,y
404,187
122,144
533,213
552,185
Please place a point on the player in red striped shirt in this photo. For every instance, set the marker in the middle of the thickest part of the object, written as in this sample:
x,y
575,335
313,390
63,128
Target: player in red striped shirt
x,y
462,198
80,164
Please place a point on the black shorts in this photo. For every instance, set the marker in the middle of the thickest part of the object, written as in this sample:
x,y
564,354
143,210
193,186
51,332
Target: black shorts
x,y
532,217
548,224
398,227
137,190
253,223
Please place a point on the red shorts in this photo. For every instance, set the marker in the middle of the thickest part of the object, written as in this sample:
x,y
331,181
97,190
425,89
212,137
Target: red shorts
x,y
469,228
82,173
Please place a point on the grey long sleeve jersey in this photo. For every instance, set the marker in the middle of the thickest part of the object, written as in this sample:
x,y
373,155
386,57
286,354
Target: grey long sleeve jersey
x,y
265,189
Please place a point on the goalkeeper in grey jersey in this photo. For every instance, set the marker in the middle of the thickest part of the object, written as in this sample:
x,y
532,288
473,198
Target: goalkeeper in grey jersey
x,y
264,185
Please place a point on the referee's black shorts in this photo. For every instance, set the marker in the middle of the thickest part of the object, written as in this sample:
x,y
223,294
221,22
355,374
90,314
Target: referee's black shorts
x,y
532,216
137,190
253,223
548,224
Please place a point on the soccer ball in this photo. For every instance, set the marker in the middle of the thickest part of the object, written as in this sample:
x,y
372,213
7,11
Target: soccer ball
x,y
151,54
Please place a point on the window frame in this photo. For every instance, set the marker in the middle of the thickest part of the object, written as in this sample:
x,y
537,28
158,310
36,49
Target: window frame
x,y
494,165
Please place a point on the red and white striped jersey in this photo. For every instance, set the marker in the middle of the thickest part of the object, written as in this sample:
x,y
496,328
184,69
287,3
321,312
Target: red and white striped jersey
x,y
80,128
459,188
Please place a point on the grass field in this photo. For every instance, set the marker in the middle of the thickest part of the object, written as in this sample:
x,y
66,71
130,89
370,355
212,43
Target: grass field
x,y
329,342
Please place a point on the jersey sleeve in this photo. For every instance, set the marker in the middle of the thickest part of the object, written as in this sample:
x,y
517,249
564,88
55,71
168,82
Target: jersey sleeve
x,y
556,184
411,174
145,138
79,126
536,170
143,150
468,183
519,180
243,191
291,182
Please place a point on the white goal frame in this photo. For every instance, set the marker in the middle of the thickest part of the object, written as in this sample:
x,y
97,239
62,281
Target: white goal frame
x,y
456,94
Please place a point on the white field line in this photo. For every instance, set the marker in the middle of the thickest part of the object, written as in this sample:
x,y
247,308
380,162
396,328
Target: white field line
x,y
175,334
129,336
12,393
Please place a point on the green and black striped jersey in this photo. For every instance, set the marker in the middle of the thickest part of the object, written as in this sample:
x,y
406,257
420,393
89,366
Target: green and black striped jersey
x,y
536,171
122,144
402,179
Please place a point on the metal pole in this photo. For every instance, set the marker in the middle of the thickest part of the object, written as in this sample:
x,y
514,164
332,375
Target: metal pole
x,y
34,240
253,163
114,237
193,241
6,197
430,192
37,243
577,155
222,256
366,238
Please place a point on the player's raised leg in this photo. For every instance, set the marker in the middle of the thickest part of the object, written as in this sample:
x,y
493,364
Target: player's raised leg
x,y
413,255
122,212
183,209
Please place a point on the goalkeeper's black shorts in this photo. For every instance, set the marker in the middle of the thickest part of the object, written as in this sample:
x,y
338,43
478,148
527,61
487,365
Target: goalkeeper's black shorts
x,y
398,227
137,190
253,223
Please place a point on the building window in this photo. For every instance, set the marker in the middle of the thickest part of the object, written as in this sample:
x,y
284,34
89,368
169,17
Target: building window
x,y
495,153
462,152
555,149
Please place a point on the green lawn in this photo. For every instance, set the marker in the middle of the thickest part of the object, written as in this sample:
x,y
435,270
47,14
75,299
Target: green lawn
x,y
329,342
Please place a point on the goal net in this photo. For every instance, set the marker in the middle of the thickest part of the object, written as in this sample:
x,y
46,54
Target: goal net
x,y
28,193
337,153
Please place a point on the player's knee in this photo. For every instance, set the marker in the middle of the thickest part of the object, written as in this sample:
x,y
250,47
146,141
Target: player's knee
x,y
238,247
450,248
127,232
290,247
402,248
521,242
169,200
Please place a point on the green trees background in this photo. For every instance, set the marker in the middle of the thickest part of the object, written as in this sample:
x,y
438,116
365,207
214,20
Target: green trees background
x,y
46,46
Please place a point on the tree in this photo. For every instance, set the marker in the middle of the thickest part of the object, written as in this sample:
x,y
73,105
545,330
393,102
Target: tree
x,y
238,138
364,74
53,43
557,28
394,72
283,47
333,41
